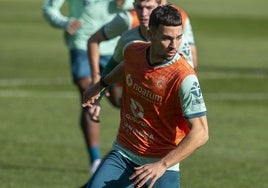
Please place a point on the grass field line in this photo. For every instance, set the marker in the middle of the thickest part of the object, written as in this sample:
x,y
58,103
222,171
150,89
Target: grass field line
x,y
231,75
66,80
6,93
236,96
34,81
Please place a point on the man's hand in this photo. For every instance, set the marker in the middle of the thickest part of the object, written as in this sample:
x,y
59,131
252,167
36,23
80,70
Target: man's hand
x,y
151,171
91,95
96,77
73,26
94,111
120,3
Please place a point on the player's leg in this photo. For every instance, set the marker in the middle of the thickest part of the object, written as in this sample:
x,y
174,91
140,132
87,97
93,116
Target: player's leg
x,y
170,179
91,131
114,171
90,128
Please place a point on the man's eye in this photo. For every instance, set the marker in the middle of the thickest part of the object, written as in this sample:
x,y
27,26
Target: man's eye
x,y
179,37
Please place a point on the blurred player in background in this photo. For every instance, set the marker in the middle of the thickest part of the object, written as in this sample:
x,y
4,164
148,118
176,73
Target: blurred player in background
x,y
163,114
121,23
85,18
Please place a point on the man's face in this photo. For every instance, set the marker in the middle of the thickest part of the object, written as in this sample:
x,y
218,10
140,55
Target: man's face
x,y
165,41
144,9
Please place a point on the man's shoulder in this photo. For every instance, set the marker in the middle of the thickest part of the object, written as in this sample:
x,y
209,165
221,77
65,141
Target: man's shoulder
x,y
138,43
131,34
137,46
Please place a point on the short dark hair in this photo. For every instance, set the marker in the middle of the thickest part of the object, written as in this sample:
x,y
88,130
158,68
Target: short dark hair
x,y
157,1
165,15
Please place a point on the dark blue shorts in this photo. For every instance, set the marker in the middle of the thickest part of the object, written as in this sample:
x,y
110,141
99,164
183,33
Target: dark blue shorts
x,y
80,65
115,170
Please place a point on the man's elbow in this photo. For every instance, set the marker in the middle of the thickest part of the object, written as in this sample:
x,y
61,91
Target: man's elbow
x,y
204,137
97,37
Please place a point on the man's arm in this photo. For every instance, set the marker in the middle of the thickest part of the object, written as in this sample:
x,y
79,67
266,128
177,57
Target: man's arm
x,y
93,92
194,111
94,54
120,23
118,54
52,13
197,137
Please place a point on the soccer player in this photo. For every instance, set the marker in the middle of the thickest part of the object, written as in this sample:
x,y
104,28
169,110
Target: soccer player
x,y
119,25
122,21
163,114
85,18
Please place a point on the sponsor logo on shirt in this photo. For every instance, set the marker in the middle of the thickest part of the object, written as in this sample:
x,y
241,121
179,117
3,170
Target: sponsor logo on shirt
x,y
144,92
196,91
136,109
135,118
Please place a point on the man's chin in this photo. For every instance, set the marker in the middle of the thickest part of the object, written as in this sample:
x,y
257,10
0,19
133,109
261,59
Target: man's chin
x,y
170,56
167,58
144,22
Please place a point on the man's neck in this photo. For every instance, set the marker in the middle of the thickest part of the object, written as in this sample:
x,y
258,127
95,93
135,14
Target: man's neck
x,y
152,58
143,30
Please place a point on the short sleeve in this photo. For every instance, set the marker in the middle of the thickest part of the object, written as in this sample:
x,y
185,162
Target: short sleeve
x,y
188,32
120,23
191,98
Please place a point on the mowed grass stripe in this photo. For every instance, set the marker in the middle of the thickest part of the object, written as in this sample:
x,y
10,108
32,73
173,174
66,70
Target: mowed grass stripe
x,y
6,93
38,94
10,82
32,82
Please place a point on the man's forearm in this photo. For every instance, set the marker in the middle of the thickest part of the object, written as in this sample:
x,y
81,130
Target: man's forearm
x,y
197,137
115,75
94,58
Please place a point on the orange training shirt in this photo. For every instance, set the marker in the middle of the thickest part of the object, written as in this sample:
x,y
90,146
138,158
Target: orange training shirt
x,y
152,123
